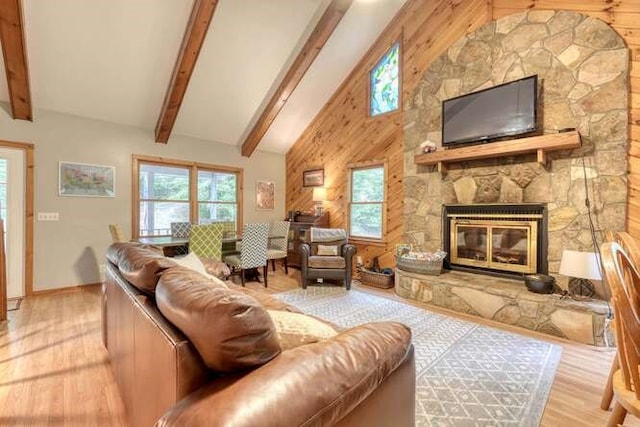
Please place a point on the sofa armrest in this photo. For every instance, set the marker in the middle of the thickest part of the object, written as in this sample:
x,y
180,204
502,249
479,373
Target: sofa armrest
x,y
305,253
315,384
348,251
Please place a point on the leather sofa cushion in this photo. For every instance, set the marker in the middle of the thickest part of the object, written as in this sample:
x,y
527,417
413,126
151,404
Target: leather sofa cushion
x,y
296,329
141,265
311,385
230,330
265,300
318,261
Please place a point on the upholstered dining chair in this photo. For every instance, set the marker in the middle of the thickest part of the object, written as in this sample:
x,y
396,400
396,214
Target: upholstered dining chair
x,y
228,231
205,241
116,233
327,256
181,230
632,249
253,251
277,246
623,279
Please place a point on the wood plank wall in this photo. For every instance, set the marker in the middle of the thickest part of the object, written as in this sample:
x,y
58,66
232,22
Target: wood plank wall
x,y
624,17
343,134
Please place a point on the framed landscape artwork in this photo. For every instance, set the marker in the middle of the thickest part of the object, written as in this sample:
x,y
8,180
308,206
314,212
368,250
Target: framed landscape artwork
x,y
265,195
82,179
313,178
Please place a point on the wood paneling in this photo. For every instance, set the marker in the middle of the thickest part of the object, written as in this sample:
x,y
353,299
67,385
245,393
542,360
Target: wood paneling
x,y
342,132
15,58
197,27
314,44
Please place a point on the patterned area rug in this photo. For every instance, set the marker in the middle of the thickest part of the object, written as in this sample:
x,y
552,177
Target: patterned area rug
x,y
466,374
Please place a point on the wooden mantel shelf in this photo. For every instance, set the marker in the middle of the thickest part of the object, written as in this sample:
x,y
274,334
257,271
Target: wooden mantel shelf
x,y
541,145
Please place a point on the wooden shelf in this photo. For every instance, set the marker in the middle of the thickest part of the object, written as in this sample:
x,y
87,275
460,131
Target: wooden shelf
x,y
541,145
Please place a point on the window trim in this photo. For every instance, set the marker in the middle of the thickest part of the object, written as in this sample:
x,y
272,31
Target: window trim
x,y
398,40
368,165
193,167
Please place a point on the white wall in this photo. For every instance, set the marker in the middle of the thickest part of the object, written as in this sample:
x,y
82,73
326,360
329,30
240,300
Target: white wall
x,y
68,252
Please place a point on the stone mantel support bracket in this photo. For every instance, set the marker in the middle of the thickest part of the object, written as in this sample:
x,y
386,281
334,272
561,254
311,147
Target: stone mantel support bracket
x,y
541,145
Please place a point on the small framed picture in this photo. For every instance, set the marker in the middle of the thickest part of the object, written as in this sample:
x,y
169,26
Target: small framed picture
x,y
313,178
265,195
82,179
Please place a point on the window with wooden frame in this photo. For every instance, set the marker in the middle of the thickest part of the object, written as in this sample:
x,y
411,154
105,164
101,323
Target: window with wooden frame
x,y
367,203
384,83
167,191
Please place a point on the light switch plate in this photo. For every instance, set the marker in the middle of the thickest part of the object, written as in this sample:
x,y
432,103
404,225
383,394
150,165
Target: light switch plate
x,y
48,216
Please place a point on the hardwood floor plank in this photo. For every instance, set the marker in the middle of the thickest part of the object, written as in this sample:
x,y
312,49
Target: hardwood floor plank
x,y
54,370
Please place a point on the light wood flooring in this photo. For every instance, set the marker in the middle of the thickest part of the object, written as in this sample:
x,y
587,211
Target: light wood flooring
x,y
54,370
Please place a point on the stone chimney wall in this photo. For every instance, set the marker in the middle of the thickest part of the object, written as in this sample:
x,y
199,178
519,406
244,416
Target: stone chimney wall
x,y
583,70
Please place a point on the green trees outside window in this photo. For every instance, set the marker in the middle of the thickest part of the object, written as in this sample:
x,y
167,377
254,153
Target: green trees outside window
x,y
367,202
165,197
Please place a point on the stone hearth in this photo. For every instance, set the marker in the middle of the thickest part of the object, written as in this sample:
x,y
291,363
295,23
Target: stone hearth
x,y
508,301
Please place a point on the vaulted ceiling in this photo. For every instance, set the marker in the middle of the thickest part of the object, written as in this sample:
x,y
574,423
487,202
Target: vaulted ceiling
x,y
113,60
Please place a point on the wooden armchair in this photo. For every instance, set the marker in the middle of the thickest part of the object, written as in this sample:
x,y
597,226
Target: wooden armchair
x,y
327,256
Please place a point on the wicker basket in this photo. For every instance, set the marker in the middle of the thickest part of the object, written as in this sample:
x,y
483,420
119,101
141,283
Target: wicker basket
x,y
378,280
419,266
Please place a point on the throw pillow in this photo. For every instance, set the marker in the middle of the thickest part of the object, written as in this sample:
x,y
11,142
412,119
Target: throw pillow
x,y
193,262
325,250
296,329
230,330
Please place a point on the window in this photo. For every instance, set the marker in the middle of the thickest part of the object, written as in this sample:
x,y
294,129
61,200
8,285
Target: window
x,y
366,210
164,194
384,83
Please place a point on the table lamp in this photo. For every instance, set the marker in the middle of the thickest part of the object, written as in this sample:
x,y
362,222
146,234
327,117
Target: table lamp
x,y
319,196
582,268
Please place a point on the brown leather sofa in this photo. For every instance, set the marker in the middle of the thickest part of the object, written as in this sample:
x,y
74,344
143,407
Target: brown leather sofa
x,y
220,361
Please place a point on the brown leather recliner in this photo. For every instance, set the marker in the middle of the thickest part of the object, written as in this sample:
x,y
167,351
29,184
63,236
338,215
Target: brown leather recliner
x,y
327,256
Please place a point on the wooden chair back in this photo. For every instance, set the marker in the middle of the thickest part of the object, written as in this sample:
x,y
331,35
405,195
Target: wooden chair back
x,y
624,282
116,233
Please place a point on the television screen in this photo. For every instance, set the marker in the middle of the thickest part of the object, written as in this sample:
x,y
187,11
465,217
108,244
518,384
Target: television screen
x,y
507,109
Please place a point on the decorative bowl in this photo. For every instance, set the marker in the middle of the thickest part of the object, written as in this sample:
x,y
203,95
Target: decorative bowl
x,y
539,283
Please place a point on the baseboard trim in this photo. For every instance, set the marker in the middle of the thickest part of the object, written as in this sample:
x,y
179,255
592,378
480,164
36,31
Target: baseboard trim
x,y
65,289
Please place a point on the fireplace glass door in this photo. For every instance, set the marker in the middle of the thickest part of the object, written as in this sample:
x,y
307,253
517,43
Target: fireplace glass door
x,y
499,245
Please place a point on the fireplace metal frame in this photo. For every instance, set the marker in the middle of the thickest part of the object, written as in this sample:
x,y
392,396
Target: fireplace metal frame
x,y
533,211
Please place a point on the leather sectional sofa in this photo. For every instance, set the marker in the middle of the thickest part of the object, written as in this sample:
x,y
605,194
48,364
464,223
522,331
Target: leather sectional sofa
x,y
188,350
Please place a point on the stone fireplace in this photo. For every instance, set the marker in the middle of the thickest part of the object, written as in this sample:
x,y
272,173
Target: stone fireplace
x,y
583,71
498,239
582,68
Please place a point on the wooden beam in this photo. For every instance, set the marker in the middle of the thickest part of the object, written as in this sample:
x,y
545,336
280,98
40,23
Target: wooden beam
x,y
314,44
197,27
15,58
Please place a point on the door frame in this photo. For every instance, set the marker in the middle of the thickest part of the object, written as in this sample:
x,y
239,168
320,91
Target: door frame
x,y
29,154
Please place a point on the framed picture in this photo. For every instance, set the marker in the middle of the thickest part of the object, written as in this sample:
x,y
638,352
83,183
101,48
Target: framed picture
x,y
81,179
265,195
313,178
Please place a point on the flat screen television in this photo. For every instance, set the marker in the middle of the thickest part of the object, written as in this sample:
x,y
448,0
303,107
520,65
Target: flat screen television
x,y
503,110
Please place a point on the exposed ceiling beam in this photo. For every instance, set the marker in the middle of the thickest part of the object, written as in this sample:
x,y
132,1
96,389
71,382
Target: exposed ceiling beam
x,y
316,41
14,51
201,16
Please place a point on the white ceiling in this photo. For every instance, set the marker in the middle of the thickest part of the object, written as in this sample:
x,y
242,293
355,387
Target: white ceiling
x,y
112,60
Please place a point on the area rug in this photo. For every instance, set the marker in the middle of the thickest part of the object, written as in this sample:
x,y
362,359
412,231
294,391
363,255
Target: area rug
x,y
466,374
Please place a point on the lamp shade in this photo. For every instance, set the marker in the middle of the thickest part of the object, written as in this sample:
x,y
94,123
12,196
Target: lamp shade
x,y
319,194
583,265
